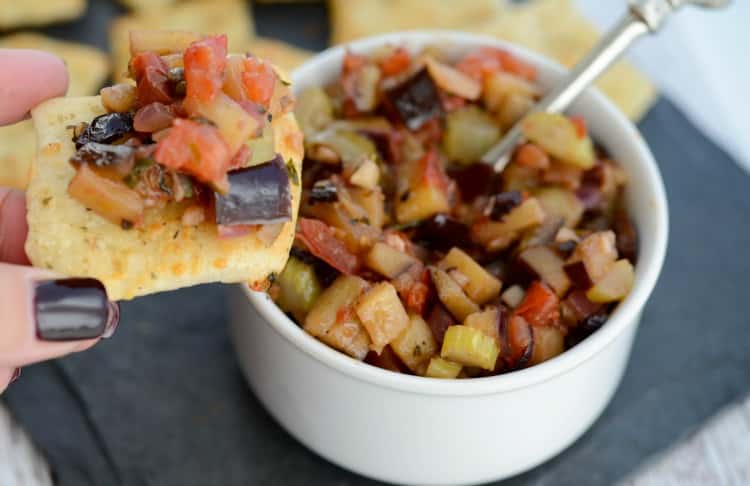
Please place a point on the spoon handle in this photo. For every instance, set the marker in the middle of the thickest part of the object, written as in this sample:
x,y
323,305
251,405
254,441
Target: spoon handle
x,y
609,50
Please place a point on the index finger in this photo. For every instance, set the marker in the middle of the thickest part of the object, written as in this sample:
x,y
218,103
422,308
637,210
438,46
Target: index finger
x,y
27,78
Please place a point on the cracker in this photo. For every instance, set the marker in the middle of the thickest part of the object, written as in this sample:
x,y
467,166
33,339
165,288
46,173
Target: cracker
x,y
557,29
352,19
17,13
147,4
163,255
283,55
88,68
231,17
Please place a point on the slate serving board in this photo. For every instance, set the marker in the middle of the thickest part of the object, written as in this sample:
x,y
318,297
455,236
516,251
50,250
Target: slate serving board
x,y
164,403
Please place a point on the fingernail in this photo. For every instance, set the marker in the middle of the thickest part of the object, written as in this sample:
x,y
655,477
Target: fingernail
x,y
16,375
73,309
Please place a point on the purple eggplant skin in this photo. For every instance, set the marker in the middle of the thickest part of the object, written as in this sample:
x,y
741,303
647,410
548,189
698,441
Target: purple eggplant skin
x,y
442,232
106,129
257,195
416,101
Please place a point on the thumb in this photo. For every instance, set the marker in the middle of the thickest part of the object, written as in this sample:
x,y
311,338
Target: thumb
x,y
44,317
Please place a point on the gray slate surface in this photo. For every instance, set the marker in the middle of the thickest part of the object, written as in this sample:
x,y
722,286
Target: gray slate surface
x,y
163,403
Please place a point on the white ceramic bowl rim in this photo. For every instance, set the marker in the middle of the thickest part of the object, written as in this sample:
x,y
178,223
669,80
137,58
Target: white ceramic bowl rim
x,y
647,269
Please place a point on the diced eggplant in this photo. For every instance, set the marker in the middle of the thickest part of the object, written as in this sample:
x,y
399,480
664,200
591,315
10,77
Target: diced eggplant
x,y
366,175
441,231
469,347
498,235
578,275
513,296
118,98
388,261
469,133
487,321
314,110
334,307
514,107
262,149
110,199
548,343
501,204
614,285
103,155
257,195
387,360
451,295
451,80
415,345
558,136
442,368
598,252
626,235
416,101
382,314
560,202
324,191
298,288
106,129
499,86
161,41
473,180
348,335
439,320
427,189
372,202
235,124
479,285
350,148
549,266
576,307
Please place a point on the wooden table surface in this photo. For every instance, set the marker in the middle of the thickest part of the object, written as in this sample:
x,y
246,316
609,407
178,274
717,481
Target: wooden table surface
x,y
717,454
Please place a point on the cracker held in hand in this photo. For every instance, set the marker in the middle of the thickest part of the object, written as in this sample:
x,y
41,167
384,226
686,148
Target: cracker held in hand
x,y
182,180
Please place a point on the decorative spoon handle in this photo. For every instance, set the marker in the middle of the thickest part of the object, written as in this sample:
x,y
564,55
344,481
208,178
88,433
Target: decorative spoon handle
x,y
643,16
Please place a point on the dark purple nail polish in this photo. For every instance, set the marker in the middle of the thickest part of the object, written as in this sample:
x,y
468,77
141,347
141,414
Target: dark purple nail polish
x,y
16,375
73,309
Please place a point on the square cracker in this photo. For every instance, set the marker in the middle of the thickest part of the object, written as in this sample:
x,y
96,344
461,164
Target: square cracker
x,y
285,56
17,13
88,68
558,30
231,17
162,255
352,19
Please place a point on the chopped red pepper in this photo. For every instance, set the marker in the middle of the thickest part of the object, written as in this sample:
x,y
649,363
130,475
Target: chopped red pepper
x,y
540,306
485,61
580,123
205,61
196,149
320,241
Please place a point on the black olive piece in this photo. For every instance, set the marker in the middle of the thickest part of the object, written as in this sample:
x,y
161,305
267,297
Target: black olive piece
x,y
176,74
257,195
106,129
102,155
324,191
442,232
501,204
416,100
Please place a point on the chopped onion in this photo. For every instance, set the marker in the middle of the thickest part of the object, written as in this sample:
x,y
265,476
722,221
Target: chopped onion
x,y
153,118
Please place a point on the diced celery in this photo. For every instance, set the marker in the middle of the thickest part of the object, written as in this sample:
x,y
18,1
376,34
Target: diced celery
x,y
480,285
334,301
469,133
262,149
469,347
501,85
615,284
442,368
560,202
486,321
558,136
351,147
388,261
313,110
549,266
382,314
298,288
548,343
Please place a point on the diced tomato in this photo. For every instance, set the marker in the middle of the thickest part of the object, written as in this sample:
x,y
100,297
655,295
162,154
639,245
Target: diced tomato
x,y
579,123
431,133
520,342
485,61
205,61
350,69
397,62
150,73
196,149
259,80
240,158
451,102
540,306
320,241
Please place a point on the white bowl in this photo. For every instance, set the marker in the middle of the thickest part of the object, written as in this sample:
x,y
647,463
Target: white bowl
x,y
415,430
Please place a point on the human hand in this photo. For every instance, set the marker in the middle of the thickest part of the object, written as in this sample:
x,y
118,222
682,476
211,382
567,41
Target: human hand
x,y
41,316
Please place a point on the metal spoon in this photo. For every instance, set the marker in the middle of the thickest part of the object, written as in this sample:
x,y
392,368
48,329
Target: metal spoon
x,y
643,16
